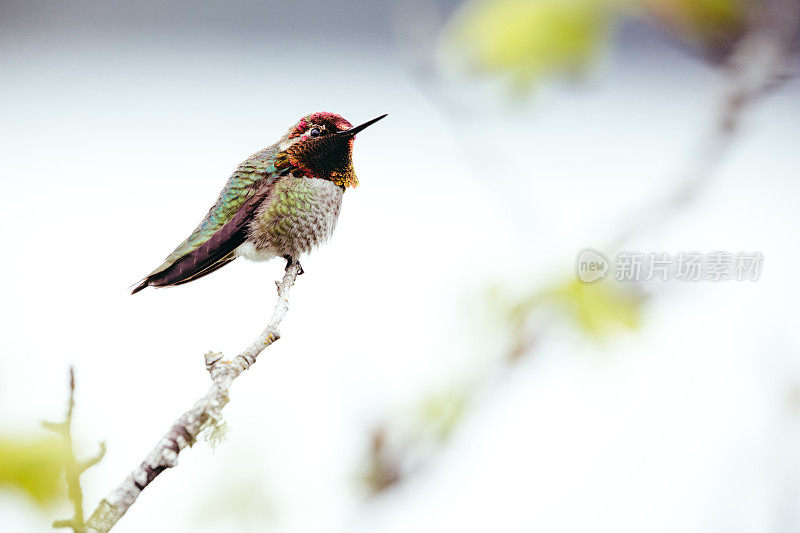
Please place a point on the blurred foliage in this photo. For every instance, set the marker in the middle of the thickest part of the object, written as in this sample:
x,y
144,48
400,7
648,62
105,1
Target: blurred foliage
x,y
403,445
596,310
441,412
712,25
528,40
599,308
395,454
35,466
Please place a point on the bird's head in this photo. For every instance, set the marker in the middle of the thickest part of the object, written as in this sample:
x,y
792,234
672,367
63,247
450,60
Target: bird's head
x,y
320,145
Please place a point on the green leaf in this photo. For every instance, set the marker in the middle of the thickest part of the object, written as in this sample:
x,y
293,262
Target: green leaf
x,y
529,39
599,308
34,465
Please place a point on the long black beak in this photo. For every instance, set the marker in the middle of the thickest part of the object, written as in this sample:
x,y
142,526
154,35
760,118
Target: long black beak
x,y
352,131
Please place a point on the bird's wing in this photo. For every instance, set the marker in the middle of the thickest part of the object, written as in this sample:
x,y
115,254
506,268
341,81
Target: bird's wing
x,y
209,269
213,251
224,228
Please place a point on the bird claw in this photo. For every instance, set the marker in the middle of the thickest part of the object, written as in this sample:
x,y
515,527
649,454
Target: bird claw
x,y
290,262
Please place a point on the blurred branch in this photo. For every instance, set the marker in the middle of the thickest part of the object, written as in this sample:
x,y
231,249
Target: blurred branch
x,y
385,468
207,410
758,62
395,454
73,469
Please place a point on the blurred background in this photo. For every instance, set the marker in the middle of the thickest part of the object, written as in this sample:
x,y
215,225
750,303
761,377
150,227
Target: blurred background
x,y
441,367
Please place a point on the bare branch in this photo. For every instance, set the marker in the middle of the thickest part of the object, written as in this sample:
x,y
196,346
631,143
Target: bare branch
x,y
72,469
83,466
185,430
56,427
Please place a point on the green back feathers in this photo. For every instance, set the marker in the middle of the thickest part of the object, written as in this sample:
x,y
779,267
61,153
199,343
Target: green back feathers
x,y
242,184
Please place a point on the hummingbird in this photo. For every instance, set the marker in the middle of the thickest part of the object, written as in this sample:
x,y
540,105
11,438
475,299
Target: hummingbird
x,y
282,201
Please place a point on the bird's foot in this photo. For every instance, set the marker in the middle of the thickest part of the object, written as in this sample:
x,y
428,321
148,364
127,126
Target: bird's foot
x,y
290,262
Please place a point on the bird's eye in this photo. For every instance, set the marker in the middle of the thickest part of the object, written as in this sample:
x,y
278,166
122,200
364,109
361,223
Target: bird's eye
x,y
315,132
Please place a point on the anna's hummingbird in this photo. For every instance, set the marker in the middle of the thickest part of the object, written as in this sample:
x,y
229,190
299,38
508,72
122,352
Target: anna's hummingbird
x,y
280,202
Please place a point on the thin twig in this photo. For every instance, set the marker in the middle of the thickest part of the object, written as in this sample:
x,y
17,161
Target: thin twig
x,y
185,430
73,469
